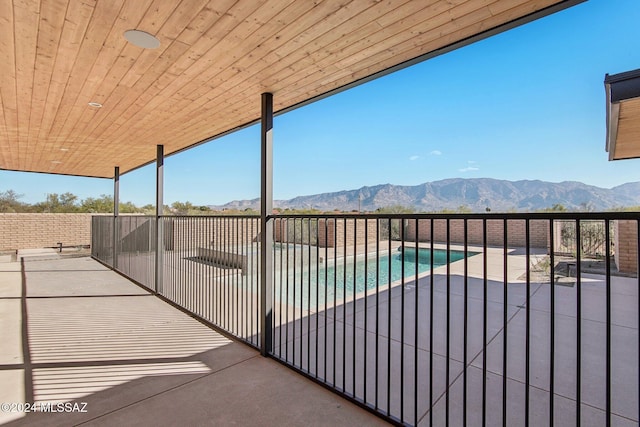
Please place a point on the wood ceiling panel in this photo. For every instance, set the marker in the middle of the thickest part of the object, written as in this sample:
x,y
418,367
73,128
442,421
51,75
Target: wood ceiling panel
x,y
215,59
10,145
628,140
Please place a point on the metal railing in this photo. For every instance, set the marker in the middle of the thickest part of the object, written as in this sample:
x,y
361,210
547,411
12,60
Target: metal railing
x,y
458,319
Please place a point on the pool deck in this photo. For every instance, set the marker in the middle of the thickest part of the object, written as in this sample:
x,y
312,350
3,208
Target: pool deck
x,y
74,331
366,320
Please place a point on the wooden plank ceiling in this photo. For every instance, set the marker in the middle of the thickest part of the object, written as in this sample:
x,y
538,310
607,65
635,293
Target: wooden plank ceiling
x,y
215,59
627,144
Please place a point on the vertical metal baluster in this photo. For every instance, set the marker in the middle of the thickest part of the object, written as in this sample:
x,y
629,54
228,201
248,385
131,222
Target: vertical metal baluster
x,y
214,275
236,279
254,285
317,270
326,294
465,321
431,305
608,316
220,244
218,281
301,247
402,285
203,268
528,323
286,340
366,307
207,276
484,321
282,304
505,319
192,282
199,281
240,278
228,290
344,308
212,289
275,304
195,286
257,313
245,291
309,295
389,323
448,327
552,328
183,276
221,301
295,282
377,310
578,325
415,328
335,294
355,287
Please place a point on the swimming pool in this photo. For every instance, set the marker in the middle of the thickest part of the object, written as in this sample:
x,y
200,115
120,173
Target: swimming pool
x,y
307,287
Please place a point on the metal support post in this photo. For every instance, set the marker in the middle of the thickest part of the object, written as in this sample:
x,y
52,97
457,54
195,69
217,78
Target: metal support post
x,y
266,225
116,213
159,206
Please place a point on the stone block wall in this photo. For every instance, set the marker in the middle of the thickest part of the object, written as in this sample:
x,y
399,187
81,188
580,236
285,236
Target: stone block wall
x,y
516,230
40,230
626,246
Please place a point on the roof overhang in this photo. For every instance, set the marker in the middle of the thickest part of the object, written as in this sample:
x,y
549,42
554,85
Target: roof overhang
x,y
204,80
623,115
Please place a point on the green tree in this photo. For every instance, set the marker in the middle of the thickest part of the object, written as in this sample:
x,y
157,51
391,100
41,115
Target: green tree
x,y
128,207
182,208
558,207
102,204
396,209
9,202
58,203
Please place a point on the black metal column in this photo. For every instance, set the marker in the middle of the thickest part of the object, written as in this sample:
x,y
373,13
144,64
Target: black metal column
x,y
266,225
116,213
159,206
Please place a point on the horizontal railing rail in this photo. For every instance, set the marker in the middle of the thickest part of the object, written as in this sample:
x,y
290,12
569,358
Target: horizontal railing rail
x,y
425,319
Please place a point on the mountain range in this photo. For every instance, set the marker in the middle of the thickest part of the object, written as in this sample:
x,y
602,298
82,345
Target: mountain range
x,y
476,194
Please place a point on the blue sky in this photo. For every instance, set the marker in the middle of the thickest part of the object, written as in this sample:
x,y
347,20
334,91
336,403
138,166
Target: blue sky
x,y
526,104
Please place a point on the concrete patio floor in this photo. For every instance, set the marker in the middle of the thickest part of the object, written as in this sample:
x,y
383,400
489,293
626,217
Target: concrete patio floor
x,y
362,327
74,331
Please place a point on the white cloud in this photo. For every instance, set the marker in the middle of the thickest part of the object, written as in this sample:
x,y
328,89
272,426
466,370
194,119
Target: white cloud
x,y
471,166
412,158
469,169
436,153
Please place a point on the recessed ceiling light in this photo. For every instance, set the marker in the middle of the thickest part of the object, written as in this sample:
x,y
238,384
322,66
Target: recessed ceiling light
x,y
56,162
64,149
141,39
95,105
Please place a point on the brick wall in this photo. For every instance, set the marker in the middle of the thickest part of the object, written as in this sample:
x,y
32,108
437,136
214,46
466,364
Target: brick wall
x,y
626,246
220,232
538,232
39,230
354,233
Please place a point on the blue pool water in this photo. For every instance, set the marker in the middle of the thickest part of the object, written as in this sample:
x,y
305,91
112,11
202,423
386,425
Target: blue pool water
x,y
346,279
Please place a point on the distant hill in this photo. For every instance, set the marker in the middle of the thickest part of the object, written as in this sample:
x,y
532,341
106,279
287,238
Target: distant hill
x,y
477,194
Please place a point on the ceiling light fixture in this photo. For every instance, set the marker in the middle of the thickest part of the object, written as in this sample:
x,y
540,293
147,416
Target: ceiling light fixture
x,y
56,162
64,149
141,39
95,105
